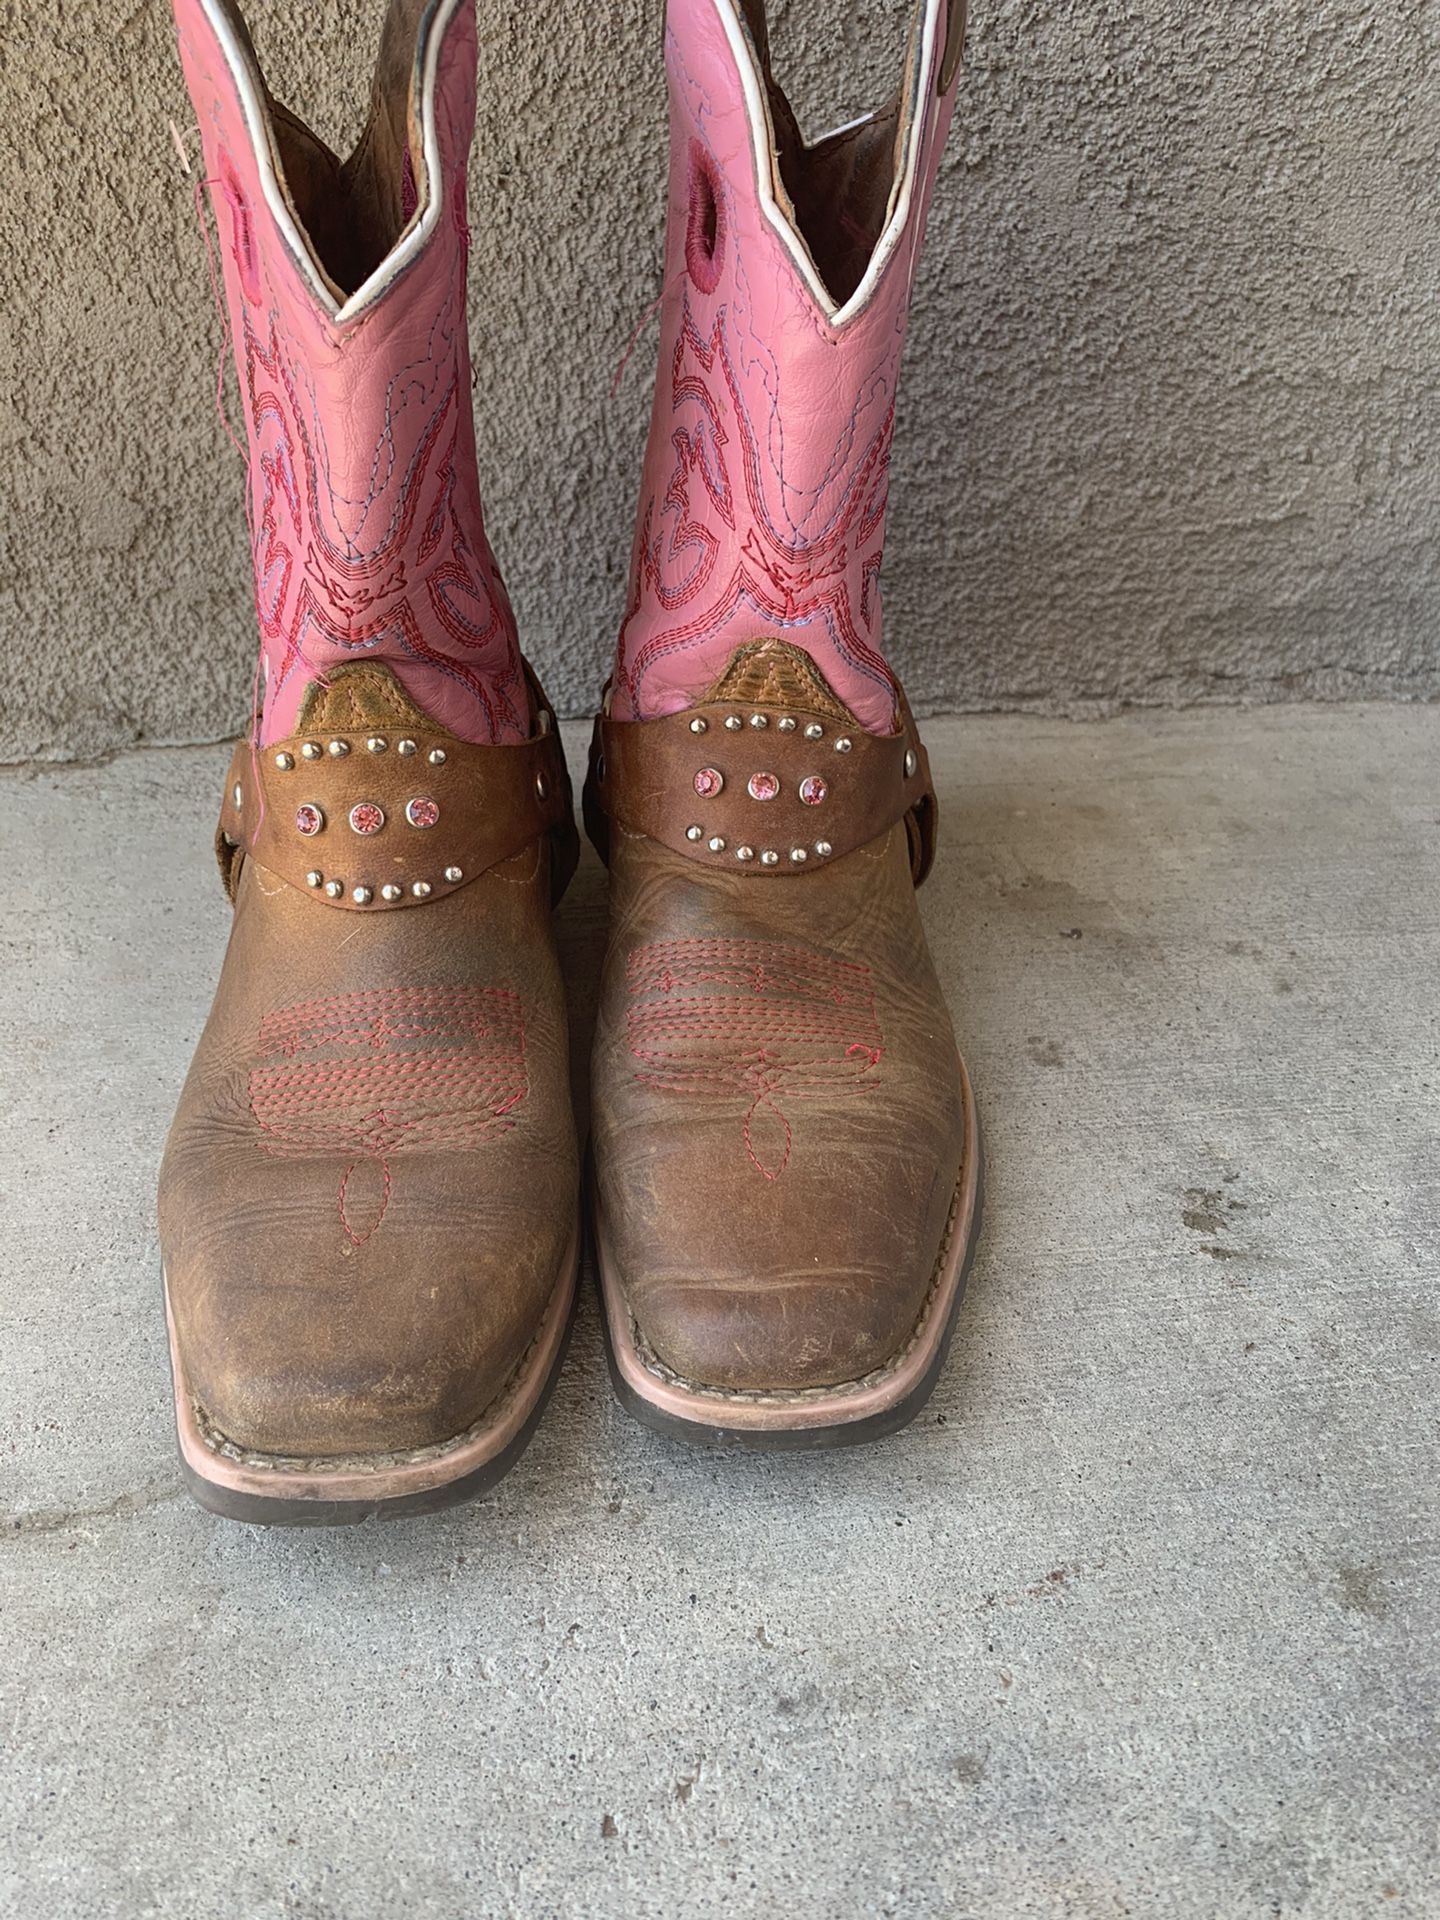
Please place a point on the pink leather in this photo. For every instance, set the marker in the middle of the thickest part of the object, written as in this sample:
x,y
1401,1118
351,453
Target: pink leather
x,y
366,526
762,507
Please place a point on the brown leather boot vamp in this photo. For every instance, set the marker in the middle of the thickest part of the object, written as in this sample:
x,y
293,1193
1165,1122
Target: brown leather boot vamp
x,y
368,1204
786,1164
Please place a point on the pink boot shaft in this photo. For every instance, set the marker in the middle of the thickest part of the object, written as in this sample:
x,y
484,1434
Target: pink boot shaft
x,y
366,525
762,507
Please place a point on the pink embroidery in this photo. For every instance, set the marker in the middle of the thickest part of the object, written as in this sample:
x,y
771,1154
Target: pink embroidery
x,y
790,573
774,1025
766,469
376,1075
366,526
411,584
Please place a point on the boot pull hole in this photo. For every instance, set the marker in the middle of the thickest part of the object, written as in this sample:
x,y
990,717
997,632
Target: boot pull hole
x,y
242,233
705,229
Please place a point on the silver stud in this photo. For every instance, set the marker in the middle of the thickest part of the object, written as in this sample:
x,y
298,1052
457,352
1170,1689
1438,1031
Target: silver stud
x,y
390,891
698,725
543,720
377,743
734,723
769,858
362,896
237,794
694,833
334,888
407,747
285,761
787,723
844,744
339,749
421,889
436,756
313,879
542,786
824,849
911,763
454,875
716,844
759,719
312,750
799,856
744,853
814,731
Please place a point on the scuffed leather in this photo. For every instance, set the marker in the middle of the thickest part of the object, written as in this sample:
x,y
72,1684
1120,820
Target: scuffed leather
x,y
762,506
777,1118
370,1184
369,1195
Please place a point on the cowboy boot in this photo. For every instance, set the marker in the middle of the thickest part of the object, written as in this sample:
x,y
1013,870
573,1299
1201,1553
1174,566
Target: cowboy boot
x,y
786,1166
369,1199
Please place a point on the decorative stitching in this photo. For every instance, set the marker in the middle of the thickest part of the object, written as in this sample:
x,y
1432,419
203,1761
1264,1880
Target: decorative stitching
x,y
791,1025
379,1074
788,572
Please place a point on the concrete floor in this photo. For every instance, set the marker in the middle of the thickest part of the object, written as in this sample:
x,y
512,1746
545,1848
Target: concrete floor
x,y
1139,1619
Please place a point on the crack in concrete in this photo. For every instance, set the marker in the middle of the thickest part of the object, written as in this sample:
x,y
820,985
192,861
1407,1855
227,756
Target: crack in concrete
x,y
43,1520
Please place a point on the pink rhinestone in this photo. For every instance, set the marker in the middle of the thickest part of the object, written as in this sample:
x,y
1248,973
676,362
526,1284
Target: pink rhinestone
x,y
708,782
308,820
763,786
813,790
422,812
366,817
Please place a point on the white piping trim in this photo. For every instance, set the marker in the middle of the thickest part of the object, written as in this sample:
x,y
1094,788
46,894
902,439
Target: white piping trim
x,y
248,86
762,135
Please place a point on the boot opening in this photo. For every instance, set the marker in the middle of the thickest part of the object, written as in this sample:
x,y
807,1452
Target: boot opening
x,y
352,212
842,186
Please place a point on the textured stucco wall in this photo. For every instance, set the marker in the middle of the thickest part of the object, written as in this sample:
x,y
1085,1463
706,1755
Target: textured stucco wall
x,y
1169,427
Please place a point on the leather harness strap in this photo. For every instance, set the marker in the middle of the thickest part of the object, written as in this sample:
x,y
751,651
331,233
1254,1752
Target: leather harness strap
x,y
367,822
763,791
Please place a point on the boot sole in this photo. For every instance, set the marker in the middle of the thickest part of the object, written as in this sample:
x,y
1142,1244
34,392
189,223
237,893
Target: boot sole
x,y
271,1490
843,1415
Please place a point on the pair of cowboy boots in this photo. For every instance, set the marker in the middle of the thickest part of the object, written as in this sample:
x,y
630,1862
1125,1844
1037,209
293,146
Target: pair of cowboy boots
x,y
370,1204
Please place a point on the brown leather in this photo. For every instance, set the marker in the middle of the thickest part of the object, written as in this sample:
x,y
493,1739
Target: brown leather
x,y
777,1116
447,810
370,1186
692,781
